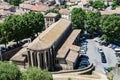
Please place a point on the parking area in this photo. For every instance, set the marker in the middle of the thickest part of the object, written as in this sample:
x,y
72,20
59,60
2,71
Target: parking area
x,y
96,58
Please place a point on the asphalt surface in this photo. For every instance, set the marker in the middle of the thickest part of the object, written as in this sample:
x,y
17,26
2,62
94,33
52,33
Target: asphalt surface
x,y
95,57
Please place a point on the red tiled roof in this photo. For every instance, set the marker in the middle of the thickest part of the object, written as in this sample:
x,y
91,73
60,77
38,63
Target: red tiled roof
x,y
39,8
26,6
64,11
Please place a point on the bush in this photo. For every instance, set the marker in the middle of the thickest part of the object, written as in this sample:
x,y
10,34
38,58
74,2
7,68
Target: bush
x,y
36,74
9,71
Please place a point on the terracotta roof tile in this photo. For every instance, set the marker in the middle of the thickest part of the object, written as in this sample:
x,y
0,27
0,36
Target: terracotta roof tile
x,y
72,56
64,11
39,8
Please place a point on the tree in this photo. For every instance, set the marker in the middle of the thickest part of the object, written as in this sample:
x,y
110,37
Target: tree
x,y
5,33
91,2
115,3
38,24
14,2
78,18
36,74
110,26
13,26
98,4
9,71
16,27
93,22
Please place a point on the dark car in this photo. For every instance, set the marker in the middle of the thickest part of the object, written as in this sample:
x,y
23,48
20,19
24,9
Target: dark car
x,y
84,57
103,58
83,63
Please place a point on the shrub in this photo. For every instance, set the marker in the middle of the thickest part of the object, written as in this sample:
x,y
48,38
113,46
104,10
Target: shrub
x,y
34,73
9,71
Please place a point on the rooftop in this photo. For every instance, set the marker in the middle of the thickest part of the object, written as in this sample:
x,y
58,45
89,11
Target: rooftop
x,y
39,8
64,11
51,15
74,48
68,43
72,56
26,6
4,5
48,37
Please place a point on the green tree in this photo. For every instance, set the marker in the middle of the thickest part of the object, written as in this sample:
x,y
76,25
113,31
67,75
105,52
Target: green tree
x,y
93,22
14,2
5,33
9,71
16,27
38,22
98,4
78,18
36,74
13,24
91,2
110,26
115,3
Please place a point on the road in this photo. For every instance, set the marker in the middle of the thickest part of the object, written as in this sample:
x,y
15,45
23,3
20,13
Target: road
x,y
95,57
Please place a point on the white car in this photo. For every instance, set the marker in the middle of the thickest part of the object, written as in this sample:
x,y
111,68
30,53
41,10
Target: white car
x,y
100,50
97,39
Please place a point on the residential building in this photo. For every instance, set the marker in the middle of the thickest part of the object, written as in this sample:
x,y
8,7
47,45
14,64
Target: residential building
x,y
39,8
25,7
65,13
5,10
50,18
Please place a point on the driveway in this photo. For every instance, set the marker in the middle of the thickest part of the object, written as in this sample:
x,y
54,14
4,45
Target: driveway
x,y
95,57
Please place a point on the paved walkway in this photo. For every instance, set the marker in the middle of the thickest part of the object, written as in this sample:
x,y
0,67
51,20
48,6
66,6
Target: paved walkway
x,y
75,76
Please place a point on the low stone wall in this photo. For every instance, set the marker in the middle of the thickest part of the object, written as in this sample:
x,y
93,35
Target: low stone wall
x,y
7,55
87,70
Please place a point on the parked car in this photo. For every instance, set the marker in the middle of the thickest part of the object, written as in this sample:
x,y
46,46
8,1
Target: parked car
x,y
104,43
84,63
84,57
103,58
100,50
3,49
97,39
114,46
117,49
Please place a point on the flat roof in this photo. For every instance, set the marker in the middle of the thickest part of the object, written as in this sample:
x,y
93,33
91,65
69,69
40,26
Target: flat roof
x,y
75,48
51,14
72,56
62,52
48,37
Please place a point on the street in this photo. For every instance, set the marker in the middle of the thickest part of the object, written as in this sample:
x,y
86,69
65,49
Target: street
x,y
95,57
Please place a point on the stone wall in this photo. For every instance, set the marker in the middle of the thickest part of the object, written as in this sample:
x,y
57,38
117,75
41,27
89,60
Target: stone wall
x,y
87,70
7,55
